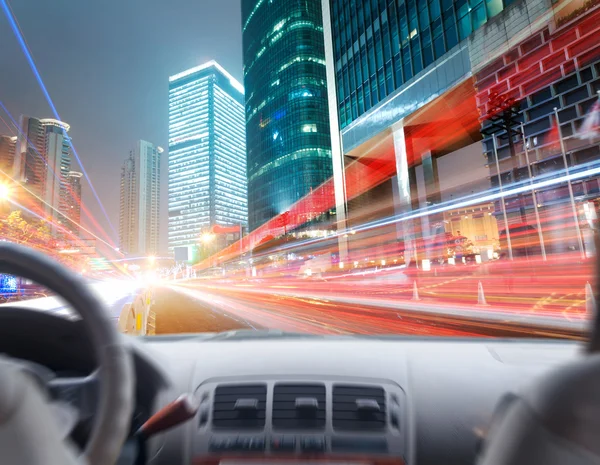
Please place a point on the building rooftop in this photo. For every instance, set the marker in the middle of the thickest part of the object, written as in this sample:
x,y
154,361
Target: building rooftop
x,y
212,63
55,122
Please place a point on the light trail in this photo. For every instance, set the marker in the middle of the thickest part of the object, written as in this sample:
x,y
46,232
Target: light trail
x,y
447,206
359,315
20,38
56,210
81,204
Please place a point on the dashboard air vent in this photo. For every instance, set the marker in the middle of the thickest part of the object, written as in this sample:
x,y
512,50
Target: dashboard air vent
x,y
359,408
299,406
240,406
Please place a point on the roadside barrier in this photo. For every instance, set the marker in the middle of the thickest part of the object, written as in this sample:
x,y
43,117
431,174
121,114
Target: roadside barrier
x,y
137,317
481,302
590,301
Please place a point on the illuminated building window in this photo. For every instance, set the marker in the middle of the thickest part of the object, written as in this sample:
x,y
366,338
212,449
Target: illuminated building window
x,y
207,153
285,79
393,41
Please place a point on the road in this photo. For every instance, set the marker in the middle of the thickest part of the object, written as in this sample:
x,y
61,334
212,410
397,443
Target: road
x,y
113,294
205,306
381,303
543,288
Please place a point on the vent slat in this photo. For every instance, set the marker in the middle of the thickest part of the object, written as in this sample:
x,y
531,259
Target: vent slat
x,y
346,414
285,413
226,416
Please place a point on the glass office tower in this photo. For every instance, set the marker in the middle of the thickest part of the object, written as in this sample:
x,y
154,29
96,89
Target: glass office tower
x,y
287,124
207,153
380,45
139,219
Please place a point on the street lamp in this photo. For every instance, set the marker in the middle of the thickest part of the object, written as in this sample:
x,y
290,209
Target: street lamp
x,y
207,237
151,260
4,192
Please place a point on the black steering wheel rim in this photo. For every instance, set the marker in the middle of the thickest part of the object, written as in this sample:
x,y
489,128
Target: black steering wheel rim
x,y
115,374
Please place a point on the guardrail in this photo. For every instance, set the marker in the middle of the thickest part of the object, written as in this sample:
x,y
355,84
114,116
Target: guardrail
x,y
137,318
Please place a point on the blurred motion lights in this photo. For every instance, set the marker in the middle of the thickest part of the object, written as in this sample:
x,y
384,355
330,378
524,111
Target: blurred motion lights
x,y
4,192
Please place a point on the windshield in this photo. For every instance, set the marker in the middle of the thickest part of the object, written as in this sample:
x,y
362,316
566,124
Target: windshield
x,y
365,167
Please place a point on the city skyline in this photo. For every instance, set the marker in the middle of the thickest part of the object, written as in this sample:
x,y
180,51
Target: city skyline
x,y
385,155
41,163
125,100
395,48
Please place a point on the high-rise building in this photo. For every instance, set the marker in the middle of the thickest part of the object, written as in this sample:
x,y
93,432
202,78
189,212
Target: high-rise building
x,y
139,220
57,167
287,122
7,155
450,98
42,163
30,153
74,201
207,153
379,46
128,224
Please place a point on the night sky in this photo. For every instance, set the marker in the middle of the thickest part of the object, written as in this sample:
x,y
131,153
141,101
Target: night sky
x,y
106,66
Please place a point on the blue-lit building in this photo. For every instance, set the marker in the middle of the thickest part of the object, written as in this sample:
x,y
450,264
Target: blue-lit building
x,y
207,153
287,123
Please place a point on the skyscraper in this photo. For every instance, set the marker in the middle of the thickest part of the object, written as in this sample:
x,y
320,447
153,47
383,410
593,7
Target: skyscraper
x,y
74,201
30,151
207,153
7,155
42,163
56,171
140,200
287,124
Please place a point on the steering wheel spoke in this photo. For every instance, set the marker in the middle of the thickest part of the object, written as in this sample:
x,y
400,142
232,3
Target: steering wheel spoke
x,y
79,392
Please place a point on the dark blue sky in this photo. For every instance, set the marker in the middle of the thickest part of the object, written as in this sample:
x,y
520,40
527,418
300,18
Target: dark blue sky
x,y
106,66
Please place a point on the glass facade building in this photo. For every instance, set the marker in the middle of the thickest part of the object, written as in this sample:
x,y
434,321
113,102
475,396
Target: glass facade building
x,y
42,161
139,220
7,155
30,152
287,123
207,153
467,97
379,45
74,201
58,165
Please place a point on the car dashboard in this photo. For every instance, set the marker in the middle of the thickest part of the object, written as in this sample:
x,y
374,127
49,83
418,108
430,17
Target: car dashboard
x,y
277,397
356,399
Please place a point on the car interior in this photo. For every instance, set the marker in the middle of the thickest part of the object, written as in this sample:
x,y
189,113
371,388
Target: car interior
x,y
78,391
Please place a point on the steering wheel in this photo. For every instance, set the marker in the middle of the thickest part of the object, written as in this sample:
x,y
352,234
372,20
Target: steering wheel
x,y
26,422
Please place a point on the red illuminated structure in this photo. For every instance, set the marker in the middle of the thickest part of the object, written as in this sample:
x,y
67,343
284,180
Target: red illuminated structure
x,y
447,164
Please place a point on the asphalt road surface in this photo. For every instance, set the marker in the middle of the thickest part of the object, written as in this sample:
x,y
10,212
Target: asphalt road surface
x,y
198,308
203,307
178,312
